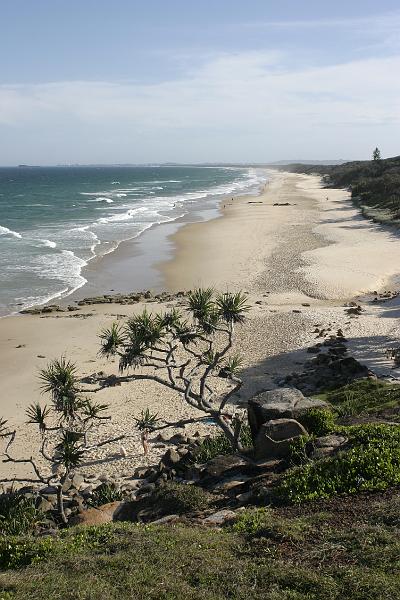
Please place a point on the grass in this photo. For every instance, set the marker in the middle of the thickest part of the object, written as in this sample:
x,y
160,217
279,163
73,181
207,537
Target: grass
x,y
364,396
331,552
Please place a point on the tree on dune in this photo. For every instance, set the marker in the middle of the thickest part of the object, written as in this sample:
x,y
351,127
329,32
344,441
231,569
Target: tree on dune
x,y
191,356
376,155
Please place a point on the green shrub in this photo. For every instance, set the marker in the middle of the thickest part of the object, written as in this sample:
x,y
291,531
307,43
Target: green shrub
x,y
250,521
371,463
18,514
298,450
219,444
318,421
178,498
105,493
19,552
264,522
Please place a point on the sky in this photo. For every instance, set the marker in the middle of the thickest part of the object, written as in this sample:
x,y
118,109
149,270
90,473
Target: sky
x,y
134,81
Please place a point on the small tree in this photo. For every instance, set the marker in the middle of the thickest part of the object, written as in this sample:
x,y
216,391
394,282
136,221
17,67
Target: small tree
x,y
186,354
376,155
64,427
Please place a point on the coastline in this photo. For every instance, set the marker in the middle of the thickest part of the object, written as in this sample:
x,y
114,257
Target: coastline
x,y
288,248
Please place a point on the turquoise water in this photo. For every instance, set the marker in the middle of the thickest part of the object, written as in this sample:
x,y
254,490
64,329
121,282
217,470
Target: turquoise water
x,y
53,220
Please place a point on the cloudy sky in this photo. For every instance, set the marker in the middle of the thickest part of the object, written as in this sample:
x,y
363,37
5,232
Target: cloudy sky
x,y
114,81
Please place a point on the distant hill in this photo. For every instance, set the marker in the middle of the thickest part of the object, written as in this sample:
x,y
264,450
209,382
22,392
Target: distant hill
x,y
307,162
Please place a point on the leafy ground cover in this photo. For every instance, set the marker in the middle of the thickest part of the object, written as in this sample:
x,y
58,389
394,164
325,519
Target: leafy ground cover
x,y
323,551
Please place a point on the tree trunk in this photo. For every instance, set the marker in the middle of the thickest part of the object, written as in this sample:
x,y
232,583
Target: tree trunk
x,y
60,504
229,432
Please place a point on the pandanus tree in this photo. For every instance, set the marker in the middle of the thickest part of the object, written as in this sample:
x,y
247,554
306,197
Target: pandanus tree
x,y
186,352
65,428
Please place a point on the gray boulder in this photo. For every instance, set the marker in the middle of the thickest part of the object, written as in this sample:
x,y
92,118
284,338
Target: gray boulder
x,y
275,437
328,445
282,403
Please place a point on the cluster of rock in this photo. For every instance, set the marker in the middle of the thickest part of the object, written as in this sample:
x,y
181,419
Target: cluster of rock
x,y
381,297
232,480
331,368
78,495
132,298
49,308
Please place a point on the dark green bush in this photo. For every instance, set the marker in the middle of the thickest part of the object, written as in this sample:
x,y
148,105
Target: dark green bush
x,y
19,552
17,514
219,444
105,493
371,463
298,450
178,498
318,421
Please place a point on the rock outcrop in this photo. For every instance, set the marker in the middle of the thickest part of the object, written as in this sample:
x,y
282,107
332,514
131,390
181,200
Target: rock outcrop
x,y
282,403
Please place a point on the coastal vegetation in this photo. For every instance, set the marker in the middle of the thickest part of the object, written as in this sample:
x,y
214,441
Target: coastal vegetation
x,y
374,184
326,551
184,354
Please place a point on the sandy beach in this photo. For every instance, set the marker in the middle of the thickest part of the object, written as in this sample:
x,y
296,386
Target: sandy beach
x,y
295,247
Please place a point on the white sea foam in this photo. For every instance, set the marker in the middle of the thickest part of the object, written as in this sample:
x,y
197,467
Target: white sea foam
x,y
6,231
49,243
144,205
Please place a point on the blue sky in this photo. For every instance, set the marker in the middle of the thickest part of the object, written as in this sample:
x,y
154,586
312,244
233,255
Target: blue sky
x,y
133,81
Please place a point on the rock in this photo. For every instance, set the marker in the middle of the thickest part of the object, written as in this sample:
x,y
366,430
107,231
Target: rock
x,y
49,490
231,485
146,489
275,437
171,457
77,480
224,466
87,491
162,437
140,472
178,438
332,440
97,516
219,518
43,505
280,403
165,520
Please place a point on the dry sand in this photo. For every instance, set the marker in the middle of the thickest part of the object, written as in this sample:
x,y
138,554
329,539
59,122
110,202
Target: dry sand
x,y
314,251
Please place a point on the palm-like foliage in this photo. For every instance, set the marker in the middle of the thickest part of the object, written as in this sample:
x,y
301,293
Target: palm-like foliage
x,y
69,452
201,304
233,365
38,415
145,328
170,320
59,379
111,339
4,429
147,420
232,307
91,411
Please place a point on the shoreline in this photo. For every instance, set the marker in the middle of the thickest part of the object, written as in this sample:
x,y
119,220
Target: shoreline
x,y
108,272
271,247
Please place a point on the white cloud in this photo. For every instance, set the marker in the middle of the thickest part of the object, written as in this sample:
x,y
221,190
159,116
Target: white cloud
x,y
245,97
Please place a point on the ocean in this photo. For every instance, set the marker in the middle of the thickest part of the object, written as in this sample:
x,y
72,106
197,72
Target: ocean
x,y
54,220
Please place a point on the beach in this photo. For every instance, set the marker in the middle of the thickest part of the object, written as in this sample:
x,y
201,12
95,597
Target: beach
x,y
301,252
